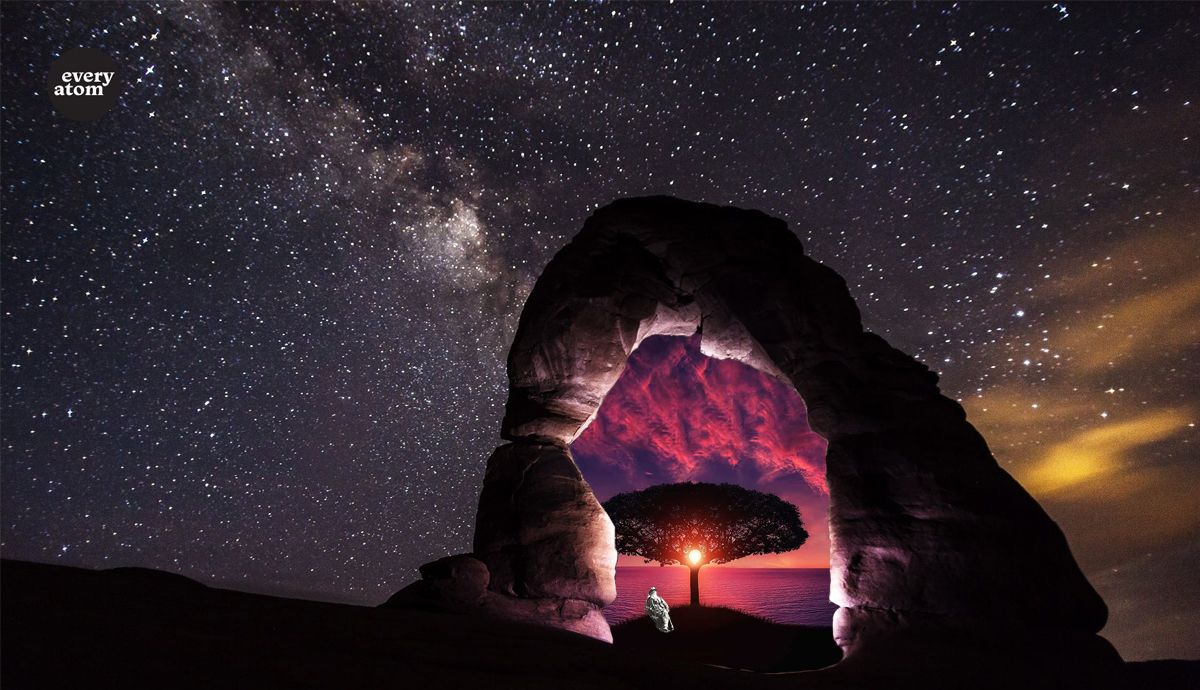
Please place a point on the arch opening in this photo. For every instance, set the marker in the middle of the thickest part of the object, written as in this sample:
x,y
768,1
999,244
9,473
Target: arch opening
x,y
676,415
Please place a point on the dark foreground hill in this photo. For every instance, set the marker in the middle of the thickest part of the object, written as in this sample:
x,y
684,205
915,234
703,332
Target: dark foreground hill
x,y
729,638
134,628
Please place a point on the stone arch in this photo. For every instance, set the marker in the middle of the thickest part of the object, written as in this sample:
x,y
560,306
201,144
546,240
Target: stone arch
x,y
926,529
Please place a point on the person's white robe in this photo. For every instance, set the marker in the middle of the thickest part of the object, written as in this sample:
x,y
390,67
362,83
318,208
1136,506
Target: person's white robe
x,y
659,612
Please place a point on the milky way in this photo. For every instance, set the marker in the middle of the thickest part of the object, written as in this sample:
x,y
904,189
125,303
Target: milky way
x,y
255,318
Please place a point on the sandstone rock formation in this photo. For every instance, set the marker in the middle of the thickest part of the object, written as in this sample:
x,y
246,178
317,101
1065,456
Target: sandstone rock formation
x,y
544,547
459,584
924,524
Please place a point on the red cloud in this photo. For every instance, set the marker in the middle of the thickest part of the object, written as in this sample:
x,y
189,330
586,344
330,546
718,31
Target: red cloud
x,y
676,415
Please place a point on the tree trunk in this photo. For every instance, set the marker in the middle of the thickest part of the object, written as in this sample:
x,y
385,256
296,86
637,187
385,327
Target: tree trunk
x,y
695,585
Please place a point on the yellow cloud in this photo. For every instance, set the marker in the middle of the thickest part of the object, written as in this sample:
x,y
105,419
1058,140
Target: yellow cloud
x,y
1100,453
1099,429
1144,326
1138,300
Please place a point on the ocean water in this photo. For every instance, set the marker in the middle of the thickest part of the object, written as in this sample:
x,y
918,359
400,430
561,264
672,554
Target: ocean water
x,y
797,596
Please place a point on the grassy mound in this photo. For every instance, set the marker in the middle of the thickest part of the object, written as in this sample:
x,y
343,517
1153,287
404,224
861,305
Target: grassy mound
x,y
725,637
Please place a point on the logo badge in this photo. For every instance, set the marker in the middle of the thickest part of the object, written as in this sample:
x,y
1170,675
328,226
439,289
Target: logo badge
x,y
83,84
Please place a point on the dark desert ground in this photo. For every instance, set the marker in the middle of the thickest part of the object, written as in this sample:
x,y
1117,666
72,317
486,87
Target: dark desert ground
x,y
140,628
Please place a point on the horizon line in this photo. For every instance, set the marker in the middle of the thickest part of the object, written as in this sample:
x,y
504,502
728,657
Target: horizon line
x,y
737,567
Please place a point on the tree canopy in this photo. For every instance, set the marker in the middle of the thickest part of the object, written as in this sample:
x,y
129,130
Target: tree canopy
x,y
724,522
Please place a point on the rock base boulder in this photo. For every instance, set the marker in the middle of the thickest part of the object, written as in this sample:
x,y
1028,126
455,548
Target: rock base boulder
x,y
459,584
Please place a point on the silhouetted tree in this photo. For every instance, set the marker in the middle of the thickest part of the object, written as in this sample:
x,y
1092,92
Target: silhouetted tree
x,y
697,524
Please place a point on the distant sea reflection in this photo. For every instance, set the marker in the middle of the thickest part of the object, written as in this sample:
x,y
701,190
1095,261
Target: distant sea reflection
x,y
797,596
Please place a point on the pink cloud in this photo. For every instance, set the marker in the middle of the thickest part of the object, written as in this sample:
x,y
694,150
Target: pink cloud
x,y
676,415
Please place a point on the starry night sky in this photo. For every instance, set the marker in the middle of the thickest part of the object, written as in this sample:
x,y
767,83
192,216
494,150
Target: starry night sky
x,y
254,319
